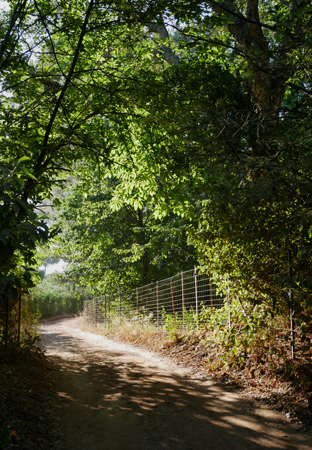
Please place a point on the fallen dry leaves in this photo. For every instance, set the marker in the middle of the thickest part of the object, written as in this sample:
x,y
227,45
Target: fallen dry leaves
x,y
278,382
27,401
27,397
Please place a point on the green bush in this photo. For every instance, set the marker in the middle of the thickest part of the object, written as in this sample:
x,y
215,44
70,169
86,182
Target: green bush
x,y
173,325
242,329
53,298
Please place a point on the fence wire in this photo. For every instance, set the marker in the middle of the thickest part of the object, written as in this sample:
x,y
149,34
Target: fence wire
x,y
183,297
185,300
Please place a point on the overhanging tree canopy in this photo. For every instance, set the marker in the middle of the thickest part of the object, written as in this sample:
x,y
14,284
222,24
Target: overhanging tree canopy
x,y
202,108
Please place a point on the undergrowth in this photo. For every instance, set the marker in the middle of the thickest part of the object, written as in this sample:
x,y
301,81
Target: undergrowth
x,y
247,347
240,337
129,330
26,391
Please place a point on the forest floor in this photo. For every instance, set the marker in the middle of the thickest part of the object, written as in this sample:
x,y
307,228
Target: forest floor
x,y
27,400
92,390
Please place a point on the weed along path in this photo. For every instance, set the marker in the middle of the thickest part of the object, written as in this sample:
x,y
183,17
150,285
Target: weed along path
x,y
117,397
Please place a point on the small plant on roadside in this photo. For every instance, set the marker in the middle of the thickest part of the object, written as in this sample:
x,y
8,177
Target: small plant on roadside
x,y
171,325
243,333
190,320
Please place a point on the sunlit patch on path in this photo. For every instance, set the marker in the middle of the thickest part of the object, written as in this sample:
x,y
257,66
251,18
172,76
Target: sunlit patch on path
x,y
114,396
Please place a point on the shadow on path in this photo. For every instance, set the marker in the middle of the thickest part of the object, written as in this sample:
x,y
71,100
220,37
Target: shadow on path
x,y
109,401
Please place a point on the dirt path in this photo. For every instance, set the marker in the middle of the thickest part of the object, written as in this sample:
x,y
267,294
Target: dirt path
x,y
116,397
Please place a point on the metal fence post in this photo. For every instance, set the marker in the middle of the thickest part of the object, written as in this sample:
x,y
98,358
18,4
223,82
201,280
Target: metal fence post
x,y
109,307
137,299
105,312
196,292
228,304
157,304
183,305
172,298
292,319
19,316
211,292
96,312
119,306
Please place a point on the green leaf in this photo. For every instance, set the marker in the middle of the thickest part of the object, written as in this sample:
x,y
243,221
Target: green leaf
x,y
26,172
23,158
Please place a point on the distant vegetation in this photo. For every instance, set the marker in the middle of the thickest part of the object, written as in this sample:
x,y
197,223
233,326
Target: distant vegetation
x,y
54,297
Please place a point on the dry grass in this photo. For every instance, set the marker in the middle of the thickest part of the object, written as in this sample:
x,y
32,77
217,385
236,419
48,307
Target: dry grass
x,y
124,330
257,379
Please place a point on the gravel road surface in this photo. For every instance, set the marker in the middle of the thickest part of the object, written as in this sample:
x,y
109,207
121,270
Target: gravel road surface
x,y
115,396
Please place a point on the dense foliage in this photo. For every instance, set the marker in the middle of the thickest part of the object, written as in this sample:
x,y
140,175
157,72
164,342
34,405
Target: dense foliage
x,y
200,111
121,249
55,296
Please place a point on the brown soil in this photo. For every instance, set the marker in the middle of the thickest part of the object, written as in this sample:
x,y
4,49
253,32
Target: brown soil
x,y
115,396
287,391
284,384
27,401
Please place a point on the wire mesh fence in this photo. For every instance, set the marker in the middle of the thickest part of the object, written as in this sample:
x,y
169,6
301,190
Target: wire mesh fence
x,y
185,301
183,297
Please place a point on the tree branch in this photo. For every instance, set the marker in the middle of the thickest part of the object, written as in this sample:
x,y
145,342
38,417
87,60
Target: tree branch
x,y
18,13
222,6
161,29
67,82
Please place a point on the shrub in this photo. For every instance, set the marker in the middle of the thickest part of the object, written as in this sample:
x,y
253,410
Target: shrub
x,y
53,298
